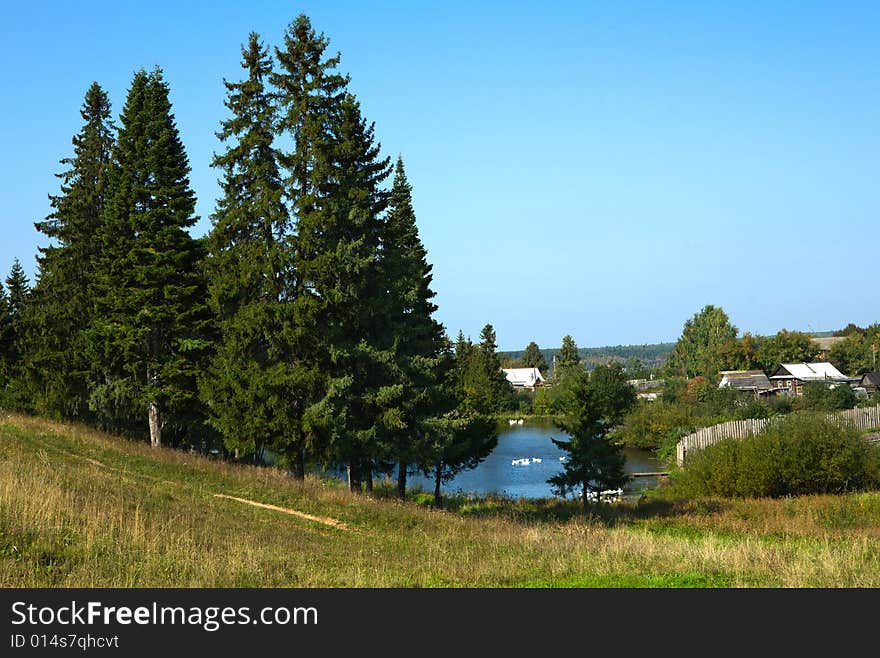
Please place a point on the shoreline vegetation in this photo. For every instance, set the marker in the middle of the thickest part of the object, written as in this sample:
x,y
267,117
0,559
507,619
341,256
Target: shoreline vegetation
x,y
83,508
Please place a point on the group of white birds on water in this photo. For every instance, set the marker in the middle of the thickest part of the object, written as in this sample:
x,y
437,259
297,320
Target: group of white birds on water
x,y
525,461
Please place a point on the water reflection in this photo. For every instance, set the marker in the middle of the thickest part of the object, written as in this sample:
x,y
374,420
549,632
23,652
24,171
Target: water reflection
x,y
503,472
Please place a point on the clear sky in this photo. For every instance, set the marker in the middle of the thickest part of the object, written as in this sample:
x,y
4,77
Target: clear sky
x,y
599,169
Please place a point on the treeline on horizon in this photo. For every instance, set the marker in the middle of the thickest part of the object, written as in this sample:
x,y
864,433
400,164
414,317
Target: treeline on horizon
x,y
636,358
302,323
855,354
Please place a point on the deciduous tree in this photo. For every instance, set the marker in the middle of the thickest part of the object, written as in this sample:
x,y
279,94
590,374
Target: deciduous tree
x,y
700,349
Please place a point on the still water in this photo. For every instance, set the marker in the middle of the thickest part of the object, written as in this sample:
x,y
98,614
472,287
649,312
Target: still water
x,y
498,474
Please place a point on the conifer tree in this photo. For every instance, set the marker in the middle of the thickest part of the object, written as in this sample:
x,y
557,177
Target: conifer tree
x,y
461,437
6,344
15,303
18,290
568,356
591,405
57,369
256,388
151,317
533,357
343,297
310,92
419,341
497,391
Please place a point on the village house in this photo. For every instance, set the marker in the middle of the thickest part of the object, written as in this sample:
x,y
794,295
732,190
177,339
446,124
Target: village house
x,y
792,376
524,377
824,344
749,381
870,381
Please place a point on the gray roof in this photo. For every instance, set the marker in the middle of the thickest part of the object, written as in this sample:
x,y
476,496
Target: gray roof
x,y
871,379
745,380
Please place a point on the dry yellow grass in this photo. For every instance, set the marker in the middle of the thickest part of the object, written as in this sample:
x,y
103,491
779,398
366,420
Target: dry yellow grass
x,y
79,508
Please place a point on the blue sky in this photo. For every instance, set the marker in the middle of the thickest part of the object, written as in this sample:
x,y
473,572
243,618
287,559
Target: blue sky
x,y
596,169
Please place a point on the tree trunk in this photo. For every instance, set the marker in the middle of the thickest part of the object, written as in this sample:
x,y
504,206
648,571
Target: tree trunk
x,y
155,425
586,500
438,501
368,476
354,477
298,466
401,479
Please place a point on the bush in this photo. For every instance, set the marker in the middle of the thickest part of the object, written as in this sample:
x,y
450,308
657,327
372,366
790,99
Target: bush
x,y
655,425
820,397
797,455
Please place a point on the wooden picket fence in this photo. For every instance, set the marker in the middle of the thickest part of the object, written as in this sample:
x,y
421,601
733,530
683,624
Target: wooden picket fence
x,y
862,418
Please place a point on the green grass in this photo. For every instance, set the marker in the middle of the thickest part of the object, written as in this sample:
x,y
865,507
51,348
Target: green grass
x,y
82,509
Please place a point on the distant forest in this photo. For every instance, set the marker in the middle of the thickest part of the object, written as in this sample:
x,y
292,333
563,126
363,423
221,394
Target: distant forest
x,y
649,356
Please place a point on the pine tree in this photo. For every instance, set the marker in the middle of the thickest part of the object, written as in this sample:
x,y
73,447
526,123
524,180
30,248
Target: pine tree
x,y
567,359
343,298
533,357
591,405
56,365
460,437
6,345
18,292
256,388
151,317
12,335
497,391
310,93
419,341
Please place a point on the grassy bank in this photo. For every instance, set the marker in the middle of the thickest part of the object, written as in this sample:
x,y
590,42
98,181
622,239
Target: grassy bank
x,y
78,508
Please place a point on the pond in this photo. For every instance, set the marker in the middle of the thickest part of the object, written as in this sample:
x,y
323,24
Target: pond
x,y
531,442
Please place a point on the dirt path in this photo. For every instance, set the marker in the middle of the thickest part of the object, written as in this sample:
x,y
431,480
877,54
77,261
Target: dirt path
x,y
326,520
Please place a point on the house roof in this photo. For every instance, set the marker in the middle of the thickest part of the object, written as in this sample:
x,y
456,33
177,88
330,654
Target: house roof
x,y
871,378
806,372
523,376
744,380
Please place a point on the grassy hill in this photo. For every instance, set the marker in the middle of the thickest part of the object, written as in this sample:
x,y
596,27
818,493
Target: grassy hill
x,y
78,508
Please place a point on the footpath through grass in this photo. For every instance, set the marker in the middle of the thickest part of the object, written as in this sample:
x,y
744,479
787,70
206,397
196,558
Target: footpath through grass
x,y
83,509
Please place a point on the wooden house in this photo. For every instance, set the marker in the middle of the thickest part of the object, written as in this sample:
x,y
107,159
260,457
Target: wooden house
x,y
748,381
524,377
791,377
870,381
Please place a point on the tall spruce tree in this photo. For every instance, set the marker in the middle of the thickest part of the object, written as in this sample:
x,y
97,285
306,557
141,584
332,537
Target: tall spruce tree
x,y
151,316
310,92
496,390
567,357
6,345
13,334
419,341
343,297
18,289
257,387
57,369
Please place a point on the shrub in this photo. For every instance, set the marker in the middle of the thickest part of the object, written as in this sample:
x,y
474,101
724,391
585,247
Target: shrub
x,y
820,397
800,454
655,425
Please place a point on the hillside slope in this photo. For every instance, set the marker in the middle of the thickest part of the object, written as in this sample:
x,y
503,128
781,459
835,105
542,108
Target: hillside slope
x,y
78,508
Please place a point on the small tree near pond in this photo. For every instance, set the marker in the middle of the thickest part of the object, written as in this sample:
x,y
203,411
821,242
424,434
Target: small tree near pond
x,y
591,404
